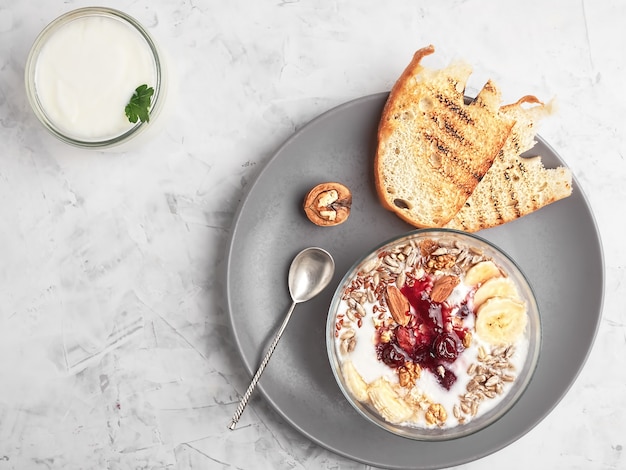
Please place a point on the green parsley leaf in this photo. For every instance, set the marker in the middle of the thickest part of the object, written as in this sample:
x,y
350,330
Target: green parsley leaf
x,y
139,105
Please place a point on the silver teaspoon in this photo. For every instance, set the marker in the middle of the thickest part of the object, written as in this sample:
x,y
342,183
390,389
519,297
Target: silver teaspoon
x,y
310,272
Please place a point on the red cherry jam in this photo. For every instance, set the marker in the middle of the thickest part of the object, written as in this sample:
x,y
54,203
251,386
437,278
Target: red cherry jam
x,y
433,338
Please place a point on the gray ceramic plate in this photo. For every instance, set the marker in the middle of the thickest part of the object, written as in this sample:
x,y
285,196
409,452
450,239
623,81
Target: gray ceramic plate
x,y
557,247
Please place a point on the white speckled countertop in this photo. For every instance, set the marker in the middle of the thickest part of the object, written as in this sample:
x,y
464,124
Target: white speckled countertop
x,y
115,343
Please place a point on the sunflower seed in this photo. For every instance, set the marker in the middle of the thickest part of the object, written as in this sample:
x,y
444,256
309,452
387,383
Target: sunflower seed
x,y
349,333
401,280
492,381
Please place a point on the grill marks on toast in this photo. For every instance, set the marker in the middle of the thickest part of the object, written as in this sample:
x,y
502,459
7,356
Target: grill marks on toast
x,y
452,142
455,109
509,201
460,174
442,161
433,148
514,186
456,170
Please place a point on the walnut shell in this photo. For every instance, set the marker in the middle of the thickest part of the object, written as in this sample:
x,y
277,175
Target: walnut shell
x,y
328,204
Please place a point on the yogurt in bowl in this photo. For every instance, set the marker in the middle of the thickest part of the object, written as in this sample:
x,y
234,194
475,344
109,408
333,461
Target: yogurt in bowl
x,y
82,72
434,335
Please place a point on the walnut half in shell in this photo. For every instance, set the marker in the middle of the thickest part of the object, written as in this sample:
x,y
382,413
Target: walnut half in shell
x,y
328,204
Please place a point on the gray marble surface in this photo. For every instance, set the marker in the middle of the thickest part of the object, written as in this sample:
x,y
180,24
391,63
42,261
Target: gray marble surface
x,y
115,344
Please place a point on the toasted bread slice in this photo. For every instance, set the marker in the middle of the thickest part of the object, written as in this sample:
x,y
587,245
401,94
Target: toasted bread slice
x,y
515,186
433,149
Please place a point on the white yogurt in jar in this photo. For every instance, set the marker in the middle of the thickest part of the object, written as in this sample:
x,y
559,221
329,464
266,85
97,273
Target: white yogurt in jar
x,y
85,71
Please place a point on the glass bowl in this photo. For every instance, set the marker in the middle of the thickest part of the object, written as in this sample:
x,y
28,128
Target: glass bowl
x,y
83,69
433,335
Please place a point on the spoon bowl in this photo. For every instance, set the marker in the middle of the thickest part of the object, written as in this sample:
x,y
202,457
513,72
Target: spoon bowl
x,y
310,272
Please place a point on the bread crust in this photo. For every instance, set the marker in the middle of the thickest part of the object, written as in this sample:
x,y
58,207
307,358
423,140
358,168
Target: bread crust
x,y
433,149
515,186
384,129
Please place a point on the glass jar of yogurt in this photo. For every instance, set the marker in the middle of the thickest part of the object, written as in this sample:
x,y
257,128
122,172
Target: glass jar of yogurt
x,y
82,71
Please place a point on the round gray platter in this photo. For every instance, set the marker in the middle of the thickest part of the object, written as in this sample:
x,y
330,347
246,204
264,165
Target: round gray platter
x,y
558,248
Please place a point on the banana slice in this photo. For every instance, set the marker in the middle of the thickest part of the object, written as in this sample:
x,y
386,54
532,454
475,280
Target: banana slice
x,y
481,272
355,383
496,287
388,403
501,320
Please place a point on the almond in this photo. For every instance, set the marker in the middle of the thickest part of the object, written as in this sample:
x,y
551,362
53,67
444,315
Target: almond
x,y
443,287
399,305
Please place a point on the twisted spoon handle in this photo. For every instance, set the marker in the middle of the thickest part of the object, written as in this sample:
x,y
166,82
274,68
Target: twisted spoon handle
x,y
257,376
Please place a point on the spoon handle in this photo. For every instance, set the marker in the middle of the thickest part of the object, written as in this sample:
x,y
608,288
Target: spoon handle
x,y
257,376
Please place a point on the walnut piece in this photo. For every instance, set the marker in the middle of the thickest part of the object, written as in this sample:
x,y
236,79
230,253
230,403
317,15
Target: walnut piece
x,y
328,204
436,414
427,246
467,340
408,374
440,262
